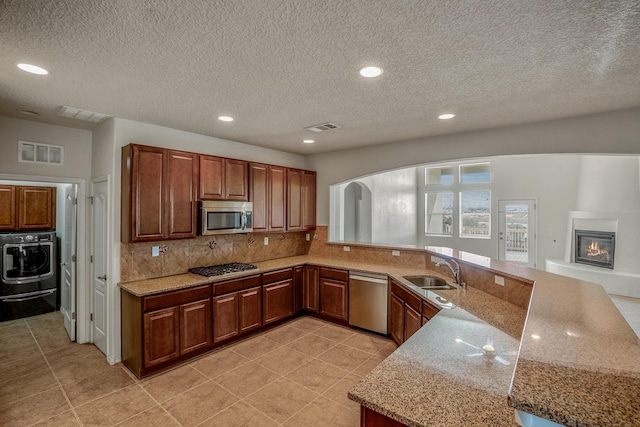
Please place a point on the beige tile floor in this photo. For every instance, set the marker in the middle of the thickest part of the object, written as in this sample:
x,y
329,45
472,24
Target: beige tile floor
x,y
295,375
630,309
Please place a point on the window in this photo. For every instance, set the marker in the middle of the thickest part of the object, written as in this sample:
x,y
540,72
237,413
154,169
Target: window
x,y
480,172
439,213
457,200
439,175
475,213
32,152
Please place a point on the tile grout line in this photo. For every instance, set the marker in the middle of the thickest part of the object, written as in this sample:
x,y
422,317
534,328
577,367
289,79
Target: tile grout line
x,y
139,384
64,393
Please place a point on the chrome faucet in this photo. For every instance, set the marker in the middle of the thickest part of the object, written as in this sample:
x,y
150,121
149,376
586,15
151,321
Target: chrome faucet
x,y
456,272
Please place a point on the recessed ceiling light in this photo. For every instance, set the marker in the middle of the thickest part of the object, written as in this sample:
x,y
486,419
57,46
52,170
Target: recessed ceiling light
x,y
225,118
370,72
446,116
28,112
308,141
33,69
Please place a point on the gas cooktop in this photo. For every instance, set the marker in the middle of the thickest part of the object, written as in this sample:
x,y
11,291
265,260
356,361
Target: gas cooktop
x,y
219,270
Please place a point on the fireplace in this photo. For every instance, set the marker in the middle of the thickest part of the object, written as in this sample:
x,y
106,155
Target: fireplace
x,y
595,248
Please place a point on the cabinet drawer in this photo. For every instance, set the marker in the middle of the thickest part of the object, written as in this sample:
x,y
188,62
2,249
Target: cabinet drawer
x,y
277,276
428,310
171,299
335,274
236,285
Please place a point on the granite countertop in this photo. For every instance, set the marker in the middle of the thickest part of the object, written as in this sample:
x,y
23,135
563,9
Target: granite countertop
x,y
579,361
583,370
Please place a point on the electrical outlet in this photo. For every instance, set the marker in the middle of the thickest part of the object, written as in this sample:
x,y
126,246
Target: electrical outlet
x,y
308,237
435,259
155,251
266,241
499,280
346,248
395,253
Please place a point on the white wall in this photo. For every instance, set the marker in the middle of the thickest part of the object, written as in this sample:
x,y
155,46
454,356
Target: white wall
x,y
613,132
76,143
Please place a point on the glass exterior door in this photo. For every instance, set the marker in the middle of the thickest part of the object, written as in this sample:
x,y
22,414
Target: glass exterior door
x,y
517,231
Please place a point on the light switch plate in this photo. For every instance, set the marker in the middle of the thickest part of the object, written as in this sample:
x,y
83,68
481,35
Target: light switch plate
x,y
395,253
308,237
155,250
499,280
435,259
266,241
346,248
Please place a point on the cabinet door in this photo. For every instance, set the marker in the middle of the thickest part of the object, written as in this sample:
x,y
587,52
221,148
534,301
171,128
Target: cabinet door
x,y
277,300
309,200
250,301
236,180
8,210
294,199
182,173
211,178
334,298
277,201
298,289
258,194
225,317
412,321
311,288
36,208
396,319
195,326
147,193
161,336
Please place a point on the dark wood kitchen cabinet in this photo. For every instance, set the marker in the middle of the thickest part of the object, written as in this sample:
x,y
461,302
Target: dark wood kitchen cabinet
x,y
163,329
8,211
268,193
223,179
405,313
237,307
312,288
334,293
301,200
27,208
277,295
298,288
158,194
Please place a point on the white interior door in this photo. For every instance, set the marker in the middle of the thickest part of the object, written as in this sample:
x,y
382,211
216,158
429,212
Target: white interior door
x,y
100,266
517,233
68,263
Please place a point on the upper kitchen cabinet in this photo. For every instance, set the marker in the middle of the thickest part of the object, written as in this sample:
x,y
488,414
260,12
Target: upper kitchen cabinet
x,y
268,194
301,200
159,189
27,208
223,179
8,211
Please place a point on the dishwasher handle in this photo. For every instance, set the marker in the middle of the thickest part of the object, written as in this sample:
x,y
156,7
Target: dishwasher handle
x,y
380,280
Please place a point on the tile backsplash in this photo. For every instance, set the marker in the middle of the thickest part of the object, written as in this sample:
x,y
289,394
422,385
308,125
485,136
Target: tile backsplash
x,y
177,256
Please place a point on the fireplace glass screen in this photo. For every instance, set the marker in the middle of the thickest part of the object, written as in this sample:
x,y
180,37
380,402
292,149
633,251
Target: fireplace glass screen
x,y
595,248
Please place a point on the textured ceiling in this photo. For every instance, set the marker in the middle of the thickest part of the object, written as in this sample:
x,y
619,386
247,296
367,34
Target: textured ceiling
x,y
279,66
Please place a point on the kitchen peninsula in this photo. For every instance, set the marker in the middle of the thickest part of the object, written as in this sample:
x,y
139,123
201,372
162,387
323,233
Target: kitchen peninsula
x,y
443,376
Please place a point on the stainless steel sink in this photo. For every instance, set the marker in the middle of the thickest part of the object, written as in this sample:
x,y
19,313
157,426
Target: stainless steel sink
x,y
429,282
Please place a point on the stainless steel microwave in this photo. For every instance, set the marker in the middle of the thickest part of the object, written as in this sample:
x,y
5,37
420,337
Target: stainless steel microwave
x,y
225,217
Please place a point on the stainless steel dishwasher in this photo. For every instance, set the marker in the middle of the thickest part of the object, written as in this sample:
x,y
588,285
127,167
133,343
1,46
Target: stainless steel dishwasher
x,y
368,295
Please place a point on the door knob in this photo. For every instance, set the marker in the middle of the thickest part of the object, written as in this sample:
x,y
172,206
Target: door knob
x,y
103,277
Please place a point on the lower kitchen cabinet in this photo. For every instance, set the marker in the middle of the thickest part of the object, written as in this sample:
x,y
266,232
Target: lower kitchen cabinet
x,y
405,313
161,336
250,309
312,288
225,317
160,330
298,289
277,295
334,293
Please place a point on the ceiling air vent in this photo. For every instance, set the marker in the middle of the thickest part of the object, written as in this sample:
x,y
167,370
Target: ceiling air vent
x,y
87,116
322,127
